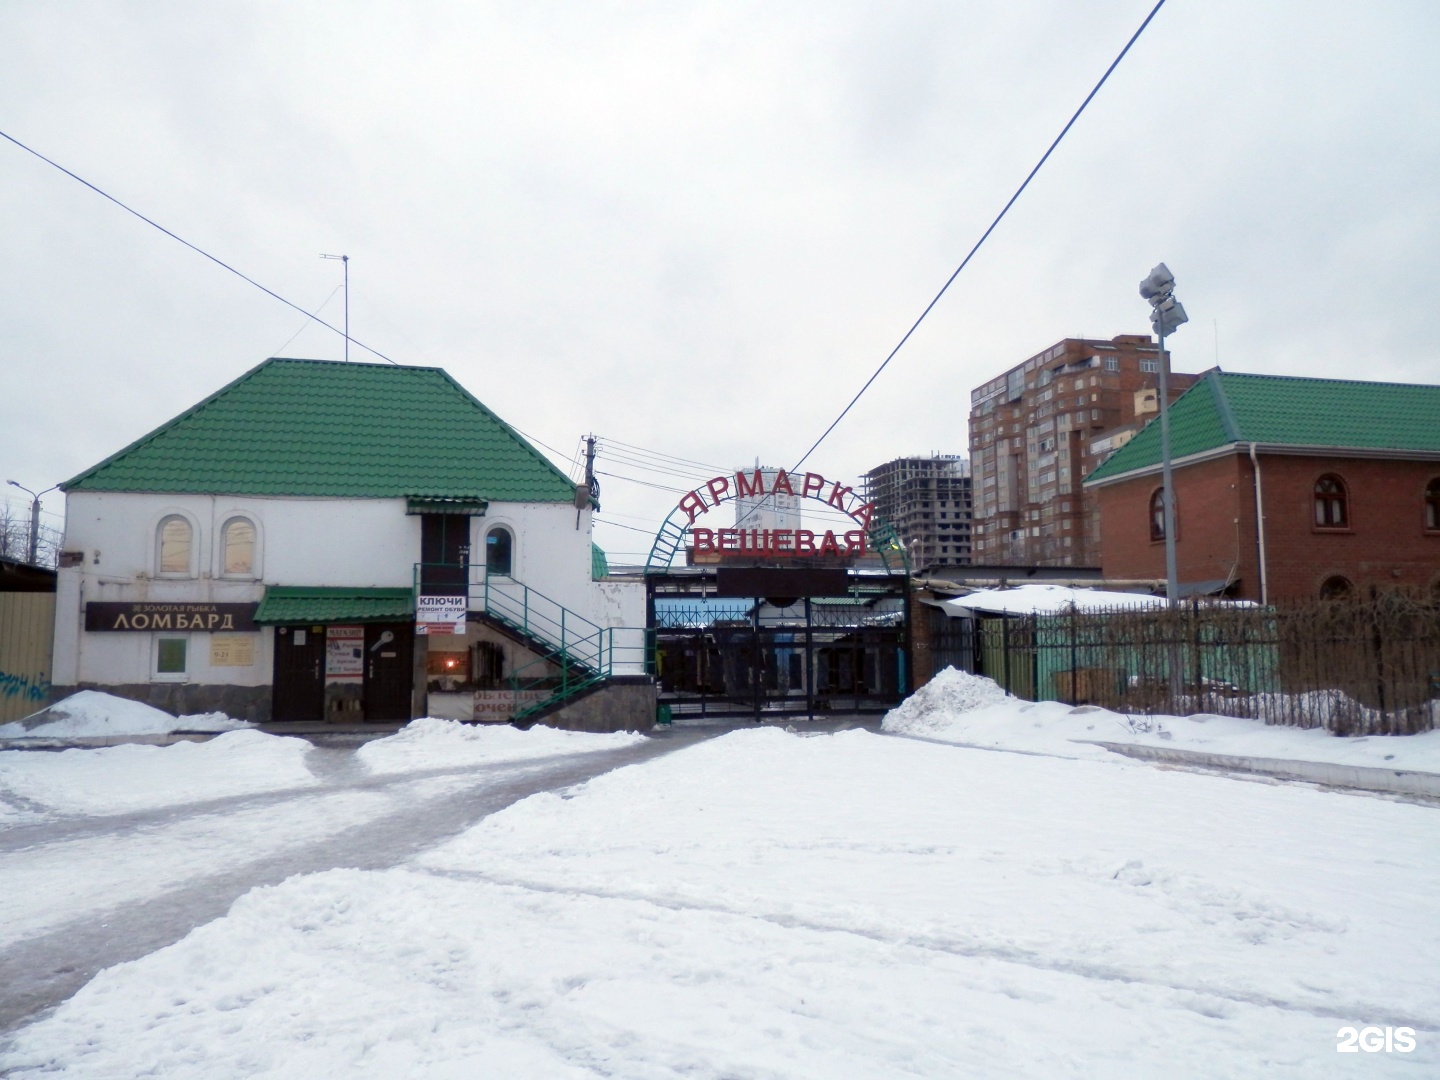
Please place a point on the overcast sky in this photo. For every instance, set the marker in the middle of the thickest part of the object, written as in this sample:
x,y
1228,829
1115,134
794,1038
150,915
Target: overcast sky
x,y
698,228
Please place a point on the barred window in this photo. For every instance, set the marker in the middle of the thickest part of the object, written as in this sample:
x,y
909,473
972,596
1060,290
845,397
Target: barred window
x,y
1432,505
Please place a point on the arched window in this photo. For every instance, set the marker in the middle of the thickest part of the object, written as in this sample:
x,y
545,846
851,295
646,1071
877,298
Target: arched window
x,y
238,546
174,541
1336,588
498,547
1432,505
1157,514
1331,511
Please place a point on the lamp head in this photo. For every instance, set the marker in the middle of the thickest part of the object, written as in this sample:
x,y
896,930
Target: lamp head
x,y
1159,283
1169,313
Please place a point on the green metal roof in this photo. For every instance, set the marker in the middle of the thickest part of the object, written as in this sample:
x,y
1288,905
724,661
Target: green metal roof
x,y
323,428
317,604
1224,409
599,564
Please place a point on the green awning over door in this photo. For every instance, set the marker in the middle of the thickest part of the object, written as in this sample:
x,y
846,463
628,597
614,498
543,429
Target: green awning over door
x,y
324,604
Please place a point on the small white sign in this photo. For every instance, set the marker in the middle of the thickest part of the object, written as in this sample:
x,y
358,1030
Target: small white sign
x,y
440,614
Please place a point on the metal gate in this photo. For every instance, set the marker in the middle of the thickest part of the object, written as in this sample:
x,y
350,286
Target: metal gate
x,y
813,658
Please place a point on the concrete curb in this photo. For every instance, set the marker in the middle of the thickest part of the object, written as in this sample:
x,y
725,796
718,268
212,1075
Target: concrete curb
x,y
1358,777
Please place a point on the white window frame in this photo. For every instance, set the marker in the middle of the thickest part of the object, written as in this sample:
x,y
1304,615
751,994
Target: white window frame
x,y
156,675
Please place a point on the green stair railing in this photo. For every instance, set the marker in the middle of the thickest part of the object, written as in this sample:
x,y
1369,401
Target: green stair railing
x,y
556,677
573,652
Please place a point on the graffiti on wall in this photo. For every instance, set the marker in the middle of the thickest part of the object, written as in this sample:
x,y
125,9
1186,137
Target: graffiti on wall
x,y
24,687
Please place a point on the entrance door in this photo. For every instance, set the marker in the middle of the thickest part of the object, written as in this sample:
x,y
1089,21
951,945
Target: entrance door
x,y
389,670
445,553
298,692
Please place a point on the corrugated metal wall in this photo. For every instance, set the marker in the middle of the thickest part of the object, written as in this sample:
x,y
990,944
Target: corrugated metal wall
x,y
27,634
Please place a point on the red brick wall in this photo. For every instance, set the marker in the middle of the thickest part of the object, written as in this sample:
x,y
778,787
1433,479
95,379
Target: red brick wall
x,y
1385,544
1209,542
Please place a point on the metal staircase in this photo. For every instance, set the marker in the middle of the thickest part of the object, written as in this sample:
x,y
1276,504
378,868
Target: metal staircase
x,y
572,653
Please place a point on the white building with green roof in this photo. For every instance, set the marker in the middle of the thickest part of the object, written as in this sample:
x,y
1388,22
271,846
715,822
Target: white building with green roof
x,y
262,553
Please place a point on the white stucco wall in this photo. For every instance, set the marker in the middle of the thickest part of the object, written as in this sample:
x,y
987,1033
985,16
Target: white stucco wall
x,y
364,543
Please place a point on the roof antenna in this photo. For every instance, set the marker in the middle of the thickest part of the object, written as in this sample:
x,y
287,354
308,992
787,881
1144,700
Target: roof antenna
x,y
345,259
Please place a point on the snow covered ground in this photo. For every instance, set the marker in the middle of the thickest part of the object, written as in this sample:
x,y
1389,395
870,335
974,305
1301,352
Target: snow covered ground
x,y
769,904
131,777
90,714
971,710
432,743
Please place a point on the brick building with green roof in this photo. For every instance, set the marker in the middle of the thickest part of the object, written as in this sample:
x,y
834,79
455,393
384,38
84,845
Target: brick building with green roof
x,y
1285,487
262,552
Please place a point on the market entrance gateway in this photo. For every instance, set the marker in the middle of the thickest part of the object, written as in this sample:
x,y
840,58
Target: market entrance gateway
x,y
787,612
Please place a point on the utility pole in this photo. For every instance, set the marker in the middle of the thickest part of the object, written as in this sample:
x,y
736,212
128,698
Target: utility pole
x,y
345,262
592,486
588,493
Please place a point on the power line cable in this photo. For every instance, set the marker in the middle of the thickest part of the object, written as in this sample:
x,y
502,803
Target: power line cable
x,y
642,483
281,351
537,442
192,247
986,235
617,525
657,454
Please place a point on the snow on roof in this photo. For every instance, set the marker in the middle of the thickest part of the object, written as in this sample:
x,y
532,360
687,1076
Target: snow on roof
x,y
1048,600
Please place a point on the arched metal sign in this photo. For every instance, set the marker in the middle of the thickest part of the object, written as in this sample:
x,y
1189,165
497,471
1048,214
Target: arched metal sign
x,y
871,533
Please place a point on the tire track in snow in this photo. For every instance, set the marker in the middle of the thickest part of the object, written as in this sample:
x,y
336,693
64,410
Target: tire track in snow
x,y
973,948
41,971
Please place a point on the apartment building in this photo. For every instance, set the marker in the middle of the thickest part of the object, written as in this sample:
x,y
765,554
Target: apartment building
x,y
927,500
1038,429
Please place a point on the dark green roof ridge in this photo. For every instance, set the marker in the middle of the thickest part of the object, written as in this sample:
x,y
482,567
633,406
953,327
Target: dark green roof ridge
x,y
324,428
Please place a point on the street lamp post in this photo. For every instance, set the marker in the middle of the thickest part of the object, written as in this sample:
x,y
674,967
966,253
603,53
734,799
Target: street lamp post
x,y
1168,314
34,516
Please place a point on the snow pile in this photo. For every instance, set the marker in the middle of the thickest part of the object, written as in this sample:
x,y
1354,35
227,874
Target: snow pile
x,y
849,905
432,743
969,710
933,707
130,777
92,714
1051,600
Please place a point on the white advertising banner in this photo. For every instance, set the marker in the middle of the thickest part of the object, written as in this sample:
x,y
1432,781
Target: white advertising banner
x,y
440,614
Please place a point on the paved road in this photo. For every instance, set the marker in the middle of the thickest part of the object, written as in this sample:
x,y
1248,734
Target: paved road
x,y
406,814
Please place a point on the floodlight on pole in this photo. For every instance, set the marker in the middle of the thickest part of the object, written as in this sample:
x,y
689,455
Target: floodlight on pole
x,y
1166,316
